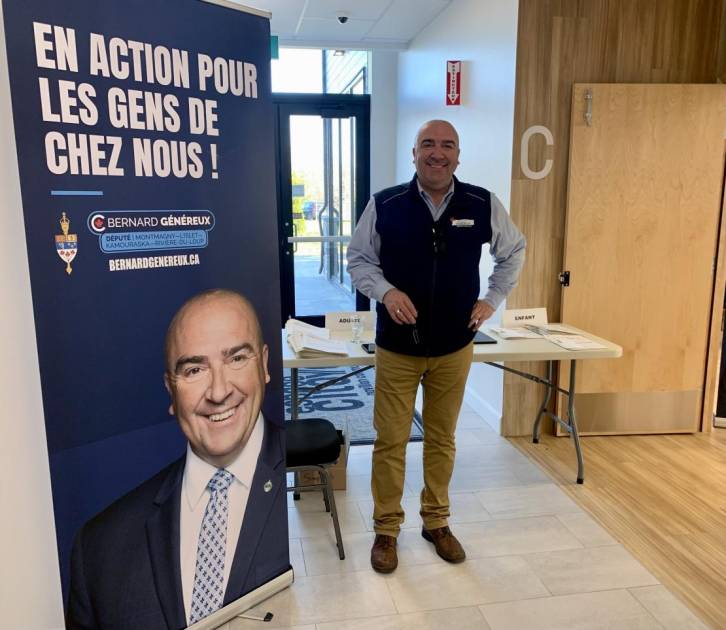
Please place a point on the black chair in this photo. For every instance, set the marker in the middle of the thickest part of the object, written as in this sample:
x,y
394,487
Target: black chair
x,y
313,444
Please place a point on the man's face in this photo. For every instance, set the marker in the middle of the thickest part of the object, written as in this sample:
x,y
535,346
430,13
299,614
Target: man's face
x,y
216,375
436,155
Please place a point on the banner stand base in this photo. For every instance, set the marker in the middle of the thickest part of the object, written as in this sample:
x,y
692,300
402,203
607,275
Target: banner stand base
x,y
244,603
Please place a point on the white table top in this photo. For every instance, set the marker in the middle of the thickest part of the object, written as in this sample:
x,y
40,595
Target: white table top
x,y
511,351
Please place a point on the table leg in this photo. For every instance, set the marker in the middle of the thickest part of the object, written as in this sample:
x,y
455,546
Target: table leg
x,y
293,416
545,402
293,394
572,421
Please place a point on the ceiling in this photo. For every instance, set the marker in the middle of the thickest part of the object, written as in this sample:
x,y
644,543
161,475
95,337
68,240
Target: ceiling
x,y
371,24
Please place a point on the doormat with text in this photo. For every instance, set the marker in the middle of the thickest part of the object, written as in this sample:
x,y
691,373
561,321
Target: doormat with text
x,y
350,399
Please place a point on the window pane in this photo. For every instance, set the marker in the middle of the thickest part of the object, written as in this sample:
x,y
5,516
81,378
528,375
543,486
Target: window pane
x,y
320,151
298,70
346,71
301,70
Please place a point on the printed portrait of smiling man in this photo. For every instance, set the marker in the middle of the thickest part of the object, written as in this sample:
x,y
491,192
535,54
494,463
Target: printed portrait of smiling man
x,y
216,375
212,526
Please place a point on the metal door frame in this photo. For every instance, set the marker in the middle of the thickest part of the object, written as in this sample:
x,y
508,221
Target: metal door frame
x,y
325,106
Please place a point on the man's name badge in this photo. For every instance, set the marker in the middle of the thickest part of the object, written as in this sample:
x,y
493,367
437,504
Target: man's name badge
x,y
268,485
462,222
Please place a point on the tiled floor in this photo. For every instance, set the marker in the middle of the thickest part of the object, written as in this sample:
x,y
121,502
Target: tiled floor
x,y
535,560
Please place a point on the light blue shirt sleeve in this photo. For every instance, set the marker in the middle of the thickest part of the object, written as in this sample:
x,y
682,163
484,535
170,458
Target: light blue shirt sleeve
x,y
364,265
507,249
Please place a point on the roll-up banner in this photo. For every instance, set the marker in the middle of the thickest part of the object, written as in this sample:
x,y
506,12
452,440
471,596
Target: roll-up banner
x,y
145,142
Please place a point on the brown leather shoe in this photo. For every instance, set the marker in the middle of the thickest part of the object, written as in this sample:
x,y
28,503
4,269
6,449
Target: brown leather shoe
x,y
384,558
446,544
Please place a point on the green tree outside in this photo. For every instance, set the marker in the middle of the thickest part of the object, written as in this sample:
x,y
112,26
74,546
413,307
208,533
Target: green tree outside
x,y
298,219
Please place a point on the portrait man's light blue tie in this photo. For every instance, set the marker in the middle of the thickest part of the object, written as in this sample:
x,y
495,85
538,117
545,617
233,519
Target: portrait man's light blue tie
x,y
208,592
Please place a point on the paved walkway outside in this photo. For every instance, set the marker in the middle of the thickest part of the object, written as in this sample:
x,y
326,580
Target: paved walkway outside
x,y
315,294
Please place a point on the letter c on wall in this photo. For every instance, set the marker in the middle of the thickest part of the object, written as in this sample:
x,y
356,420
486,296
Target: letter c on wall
x,y
524,152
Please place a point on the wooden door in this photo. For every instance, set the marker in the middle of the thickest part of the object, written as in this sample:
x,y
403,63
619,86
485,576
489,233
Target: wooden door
x,y
643,212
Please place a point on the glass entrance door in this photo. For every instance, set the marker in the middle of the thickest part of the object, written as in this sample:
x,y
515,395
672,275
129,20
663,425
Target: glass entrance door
x,y
323,187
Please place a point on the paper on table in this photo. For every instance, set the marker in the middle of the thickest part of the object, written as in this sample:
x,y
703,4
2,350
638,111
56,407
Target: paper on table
x,y
310,341
531,331
548,329
308,346
514,333
295,326
558,329
574,342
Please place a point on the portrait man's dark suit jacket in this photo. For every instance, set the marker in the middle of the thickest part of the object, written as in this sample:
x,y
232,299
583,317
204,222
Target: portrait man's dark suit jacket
x,y
125,567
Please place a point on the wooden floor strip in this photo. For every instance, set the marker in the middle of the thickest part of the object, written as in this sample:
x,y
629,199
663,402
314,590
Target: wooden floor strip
x,y
663,497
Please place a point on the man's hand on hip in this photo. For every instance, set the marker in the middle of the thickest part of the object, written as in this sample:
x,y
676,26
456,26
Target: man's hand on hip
x,y
481,312
400,307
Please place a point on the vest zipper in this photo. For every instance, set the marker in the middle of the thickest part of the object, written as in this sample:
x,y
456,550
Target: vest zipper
x,y
433,292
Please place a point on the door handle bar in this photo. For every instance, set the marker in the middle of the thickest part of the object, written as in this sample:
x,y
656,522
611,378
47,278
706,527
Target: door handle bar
x,y
318,239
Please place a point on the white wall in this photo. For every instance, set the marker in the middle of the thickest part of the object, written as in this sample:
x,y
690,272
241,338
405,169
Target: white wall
x,y
384,107
30,595
483,34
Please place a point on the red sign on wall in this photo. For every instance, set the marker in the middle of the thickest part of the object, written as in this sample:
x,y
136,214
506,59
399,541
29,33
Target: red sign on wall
x,y
453,82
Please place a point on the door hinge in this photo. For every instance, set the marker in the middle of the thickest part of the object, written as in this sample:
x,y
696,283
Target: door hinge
x,y
564,278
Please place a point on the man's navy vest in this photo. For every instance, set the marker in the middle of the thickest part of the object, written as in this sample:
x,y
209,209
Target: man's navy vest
x,y
435,263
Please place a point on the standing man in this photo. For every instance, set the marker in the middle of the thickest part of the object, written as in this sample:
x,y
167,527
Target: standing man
x,y
212,526
416,251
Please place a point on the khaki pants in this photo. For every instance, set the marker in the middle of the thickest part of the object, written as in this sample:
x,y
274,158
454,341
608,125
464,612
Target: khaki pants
x,y
397,379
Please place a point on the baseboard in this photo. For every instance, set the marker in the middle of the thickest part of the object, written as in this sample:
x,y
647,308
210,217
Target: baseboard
x,y
492,416
719,422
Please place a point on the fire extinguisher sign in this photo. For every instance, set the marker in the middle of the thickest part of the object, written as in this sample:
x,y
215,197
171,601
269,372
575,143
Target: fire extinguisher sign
x,y
453,82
